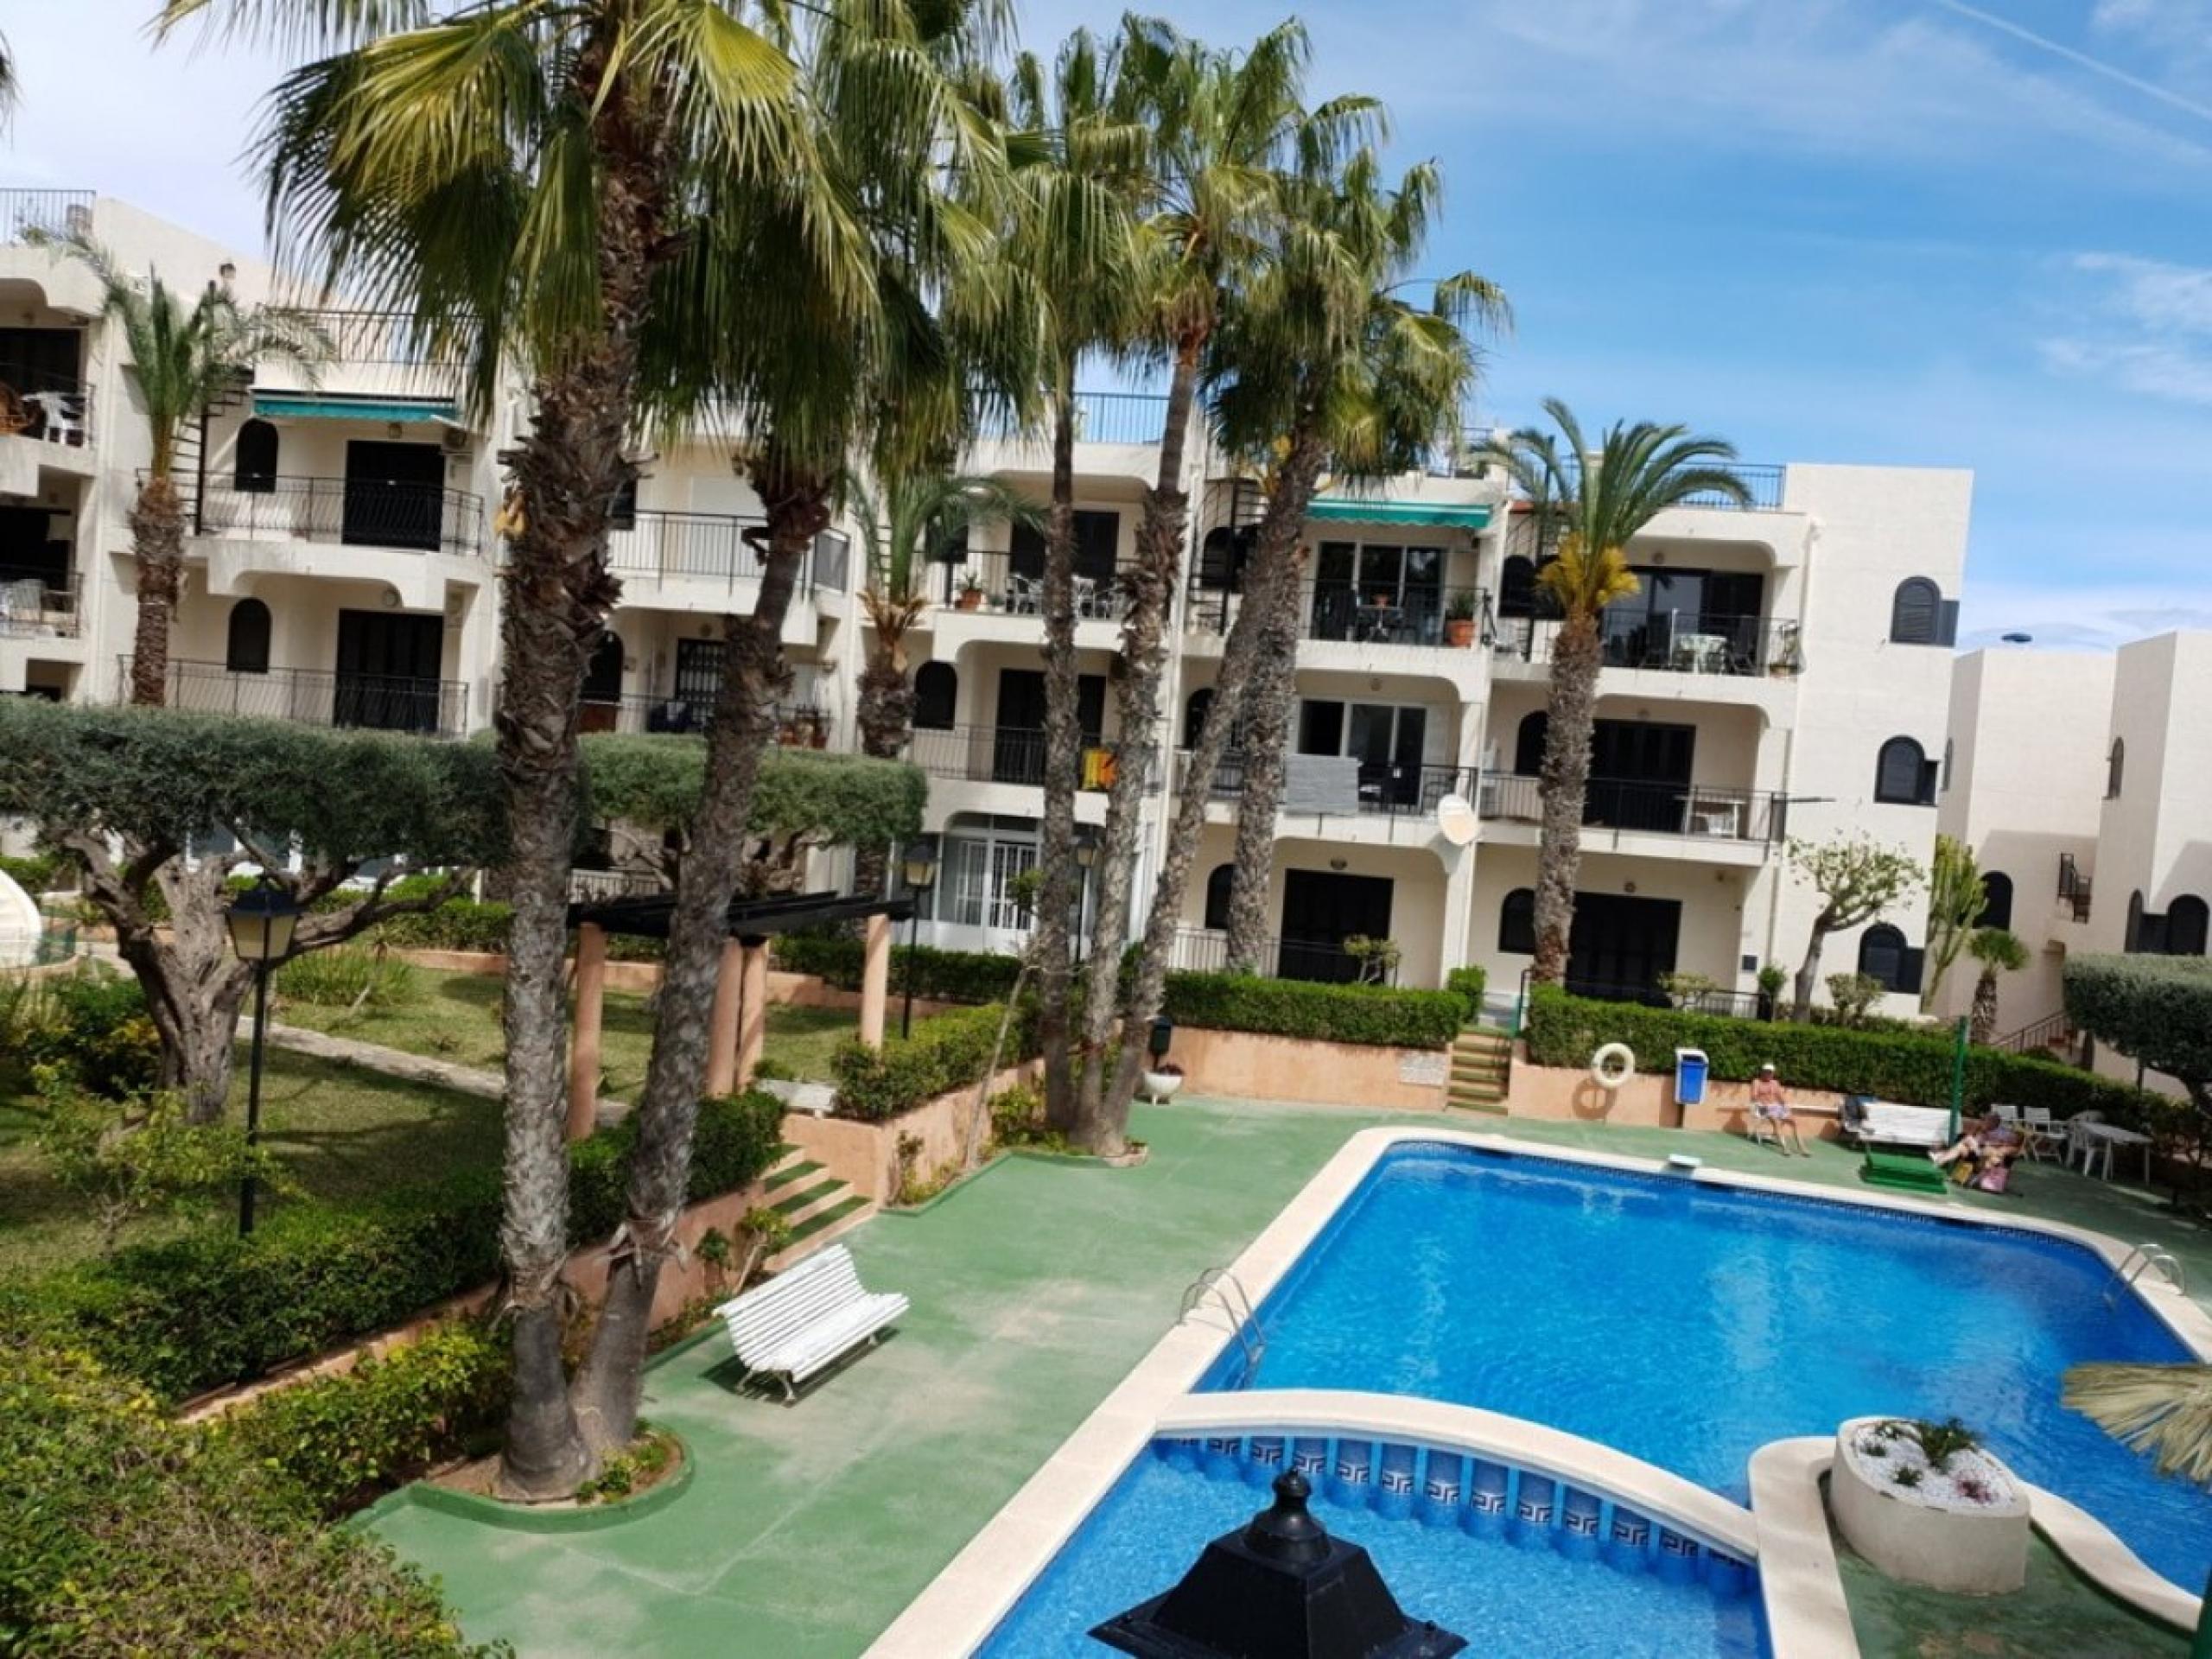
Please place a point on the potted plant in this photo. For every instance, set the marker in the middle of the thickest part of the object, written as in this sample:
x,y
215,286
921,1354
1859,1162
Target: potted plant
x,y
1162,1079
1460,620
971,591
1926,1504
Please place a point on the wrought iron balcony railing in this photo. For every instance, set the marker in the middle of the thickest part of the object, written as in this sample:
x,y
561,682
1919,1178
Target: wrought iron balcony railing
x,y
1206,951
798,724
1384,787
357,513
714,547
392,703
50,212
1104,417
1743,647
1010,755
997,583
1698,812
1364,613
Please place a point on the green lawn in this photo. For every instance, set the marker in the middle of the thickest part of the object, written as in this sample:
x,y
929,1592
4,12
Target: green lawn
x,y
456,1017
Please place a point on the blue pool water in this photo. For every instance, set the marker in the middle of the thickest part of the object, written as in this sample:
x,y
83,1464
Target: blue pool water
x,y
1507,1598
1688,1325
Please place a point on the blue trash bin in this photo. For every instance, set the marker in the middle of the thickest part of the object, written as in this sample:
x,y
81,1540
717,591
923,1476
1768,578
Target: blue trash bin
x,y
1690,1066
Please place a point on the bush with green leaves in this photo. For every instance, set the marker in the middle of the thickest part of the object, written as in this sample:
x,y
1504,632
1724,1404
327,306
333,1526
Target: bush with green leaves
x,y
124,1534
2155,1010
93,1030
947,1052
212,1308
349,977
1910,1066
1852,995
125,1160
838,959
1468,983
1375,1016
40,872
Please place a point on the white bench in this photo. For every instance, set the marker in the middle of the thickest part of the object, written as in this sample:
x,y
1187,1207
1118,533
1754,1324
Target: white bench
x,y
803,1320
1885,1123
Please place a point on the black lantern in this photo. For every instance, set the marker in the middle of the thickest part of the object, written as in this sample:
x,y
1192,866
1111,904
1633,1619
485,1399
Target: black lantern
x,y
918,867
1282,1587
261,921
1086,855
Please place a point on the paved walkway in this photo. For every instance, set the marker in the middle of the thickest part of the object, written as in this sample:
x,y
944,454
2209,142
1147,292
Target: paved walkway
x,y
1035,1288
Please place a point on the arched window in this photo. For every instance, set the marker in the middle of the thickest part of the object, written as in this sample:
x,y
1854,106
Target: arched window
x,y
1218,886
2187,920
1916,612
1882,956
2115,768
1516,923
254,468
1903,774
1516,587
603,676
245,648
1528,744
937,690
1997,900
1194,715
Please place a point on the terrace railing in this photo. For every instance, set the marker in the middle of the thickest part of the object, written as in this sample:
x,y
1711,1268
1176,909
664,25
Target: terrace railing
x,y
1698,811
1363,614
51,213
33,604
384,338
1736,645
1384,788
714,547
357,513
1204,951
800,726
1735,1004
1764,482
392,703
1104,417
992,582
1008,754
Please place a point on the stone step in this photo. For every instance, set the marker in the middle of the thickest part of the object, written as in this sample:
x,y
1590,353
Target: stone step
x,y
785,1174
823,1227
807,1197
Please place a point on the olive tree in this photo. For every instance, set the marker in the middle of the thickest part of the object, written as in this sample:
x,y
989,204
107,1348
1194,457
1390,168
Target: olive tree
x,y
1857,879
159,808
2157,1010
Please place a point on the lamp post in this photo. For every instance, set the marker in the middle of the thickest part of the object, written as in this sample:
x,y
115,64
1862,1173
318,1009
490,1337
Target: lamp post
x,y
1086,854
261,921
917,866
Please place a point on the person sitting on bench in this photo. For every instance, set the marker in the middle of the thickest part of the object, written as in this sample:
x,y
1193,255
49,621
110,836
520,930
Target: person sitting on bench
x,y
1770,1107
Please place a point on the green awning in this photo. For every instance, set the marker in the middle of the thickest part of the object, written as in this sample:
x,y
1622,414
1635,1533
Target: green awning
x,y
1339,510
336,406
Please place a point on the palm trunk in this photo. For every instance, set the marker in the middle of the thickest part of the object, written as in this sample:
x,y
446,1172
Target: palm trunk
x,y
608,1386
1571,705
1160,538
1274,569
885,719
1983,1027
157,539
1059,891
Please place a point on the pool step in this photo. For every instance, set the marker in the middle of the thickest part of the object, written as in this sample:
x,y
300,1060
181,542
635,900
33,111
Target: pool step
x,y
1482,1071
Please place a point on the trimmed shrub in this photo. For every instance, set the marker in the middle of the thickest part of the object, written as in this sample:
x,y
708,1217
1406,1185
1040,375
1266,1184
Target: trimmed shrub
x,y
949,1052
457,924
40,873
212,1308
1377,1015
346,977
941,976
1907,1067
94,1029
123,1533
1469,982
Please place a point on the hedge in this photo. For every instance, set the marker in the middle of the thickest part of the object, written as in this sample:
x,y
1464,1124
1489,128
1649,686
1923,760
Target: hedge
x,y
1377,1015
1911,1067
40,873
123,1533
946,1053
212,1308
940,976
1469,982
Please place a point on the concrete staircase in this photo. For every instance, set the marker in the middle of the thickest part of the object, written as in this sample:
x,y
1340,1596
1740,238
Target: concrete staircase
x,y
818,1205
1482,1071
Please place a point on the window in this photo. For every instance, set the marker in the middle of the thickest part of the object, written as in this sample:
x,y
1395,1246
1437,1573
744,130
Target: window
x,y
1218,886
1516,923
937,690
1904,774
245,650
976,882
1916,612
1097,539
2132,940
1997,900
1528,744
2187,920
2115,768
254,469
1516,588
1883,955
623,515
603,674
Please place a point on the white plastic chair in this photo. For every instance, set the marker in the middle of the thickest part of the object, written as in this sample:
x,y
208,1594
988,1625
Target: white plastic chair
x,y
2042,1134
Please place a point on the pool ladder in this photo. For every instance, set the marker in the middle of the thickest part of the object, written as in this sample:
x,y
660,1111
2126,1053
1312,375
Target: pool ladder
x,y
1217,1288
2137,1262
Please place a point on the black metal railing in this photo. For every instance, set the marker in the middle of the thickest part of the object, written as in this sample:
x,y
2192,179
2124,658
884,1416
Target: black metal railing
x,y
394,702
1204,951
386,339
1380,787
1739,645
715,547
1735,1004
50,212
1763,483
2052,1030
45,405
1101,418
357,512
2073,887
992,581
35,604
1700,812
798,724
1010,755
585,887
1452,618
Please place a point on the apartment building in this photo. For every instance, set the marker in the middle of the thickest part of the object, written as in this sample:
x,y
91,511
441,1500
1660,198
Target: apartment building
x,y
2083,783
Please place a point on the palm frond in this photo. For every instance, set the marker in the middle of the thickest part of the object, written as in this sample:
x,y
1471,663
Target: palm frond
x,y
2162,1411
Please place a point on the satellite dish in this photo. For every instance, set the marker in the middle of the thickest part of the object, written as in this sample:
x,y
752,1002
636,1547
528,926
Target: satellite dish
x,y
1456,821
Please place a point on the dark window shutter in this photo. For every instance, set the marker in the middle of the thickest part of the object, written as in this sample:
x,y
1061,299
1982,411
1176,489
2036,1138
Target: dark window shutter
x,y
1997,904
1882,953
1217,886
1929,772
1898,772
2188,920
255,465
1947,623
1915,612
1911,964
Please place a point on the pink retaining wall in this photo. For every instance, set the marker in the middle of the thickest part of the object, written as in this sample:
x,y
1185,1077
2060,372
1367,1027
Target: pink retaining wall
x,y
865,1156
1246,1065
1647,1100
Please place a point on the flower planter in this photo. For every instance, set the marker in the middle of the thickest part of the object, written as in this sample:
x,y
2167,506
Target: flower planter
x,y
1459,633
1160,1087
971,599
1962,1529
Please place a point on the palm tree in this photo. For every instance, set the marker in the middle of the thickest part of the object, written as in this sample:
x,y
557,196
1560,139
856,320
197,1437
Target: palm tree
x,y
2163,1411
1228,127
521,180
1998,951
10,88
185,355
1083,160
1588,506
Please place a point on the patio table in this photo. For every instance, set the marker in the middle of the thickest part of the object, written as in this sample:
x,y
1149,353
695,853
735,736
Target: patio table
x,y
2093,1138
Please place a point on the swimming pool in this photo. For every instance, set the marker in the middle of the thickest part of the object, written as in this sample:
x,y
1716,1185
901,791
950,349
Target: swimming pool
x,y
1688,1324
1509,1589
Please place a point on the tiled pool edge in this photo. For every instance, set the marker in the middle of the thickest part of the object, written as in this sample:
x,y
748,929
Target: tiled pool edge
x,y
957,1610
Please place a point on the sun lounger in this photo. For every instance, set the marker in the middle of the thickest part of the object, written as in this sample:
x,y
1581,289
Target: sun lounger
x,y
801,1322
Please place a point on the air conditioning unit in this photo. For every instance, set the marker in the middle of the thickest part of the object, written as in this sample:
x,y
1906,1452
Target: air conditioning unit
x,y
457,441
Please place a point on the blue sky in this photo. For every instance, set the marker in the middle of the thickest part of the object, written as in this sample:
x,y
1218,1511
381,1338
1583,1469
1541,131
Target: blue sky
x,y
1880,231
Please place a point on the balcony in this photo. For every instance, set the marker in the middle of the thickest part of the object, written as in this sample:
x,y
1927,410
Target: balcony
x,y
1371,788
1698,811
47,212
44,406
2074,888
1100,417
1763,483
381,702
1452,618
1741,647
352,512
715,547
37,605
1204,951
999,584
798,725
1008,754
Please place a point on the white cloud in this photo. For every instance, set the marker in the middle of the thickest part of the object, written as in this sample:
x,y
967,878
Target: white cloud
x,y
2058,614
2145,326
2155,370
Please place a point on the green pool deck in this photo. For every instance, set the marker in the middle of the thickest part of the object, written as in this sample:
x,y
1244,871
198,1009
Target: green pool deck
x,y
1035,1288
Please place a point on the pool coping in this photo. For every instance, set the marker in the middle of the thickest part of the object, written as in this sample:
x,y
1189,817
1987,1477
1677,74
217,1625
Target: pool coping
x,y
959,1608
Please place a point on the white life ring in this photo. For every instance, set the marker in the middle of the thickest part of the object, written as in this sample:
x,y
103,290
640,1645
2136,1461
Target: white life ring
x,y
1612,1065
